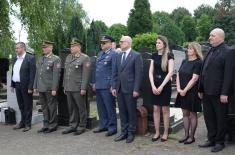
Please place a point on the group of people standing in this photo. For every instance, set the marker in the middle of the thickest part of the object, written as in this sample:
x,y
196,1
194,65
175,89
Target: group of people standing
x,y
119,75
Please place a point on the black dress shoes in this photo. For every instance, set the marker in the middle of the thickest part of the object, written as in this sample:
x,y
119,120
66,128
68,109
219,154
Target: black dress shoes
x,y
110,133
120,137
189,141
207,144
27,128
155,139
79,132
50,130
42,130
218,147
130,138
98,130
67,131
183,139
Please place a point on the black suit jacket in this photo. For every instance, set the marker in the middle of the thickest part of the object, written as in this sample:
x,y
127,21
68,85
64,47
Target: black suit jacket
x,y
217,79
27,71
127,77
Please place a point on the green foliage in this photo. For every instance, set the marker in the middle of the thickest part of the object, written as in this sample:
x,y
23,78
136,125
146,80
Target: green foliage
x,y
188,26
168,28
178,15
6,40
204,25
140,18
94,33
117,30
206,10
145,40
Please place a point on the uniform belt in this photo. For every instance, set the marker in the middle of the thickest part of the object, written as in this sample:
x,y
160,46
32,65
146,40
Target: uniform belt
x,y
158,76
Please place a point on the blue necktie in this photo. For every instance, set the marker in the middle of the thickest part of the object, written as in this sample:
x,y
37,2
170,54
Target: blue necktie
x,y
123,57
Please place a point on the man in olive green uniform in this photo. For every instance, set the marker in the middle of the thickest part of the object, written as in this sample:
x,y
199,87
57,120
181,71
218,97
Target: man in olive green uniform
x,y
76,76
46,83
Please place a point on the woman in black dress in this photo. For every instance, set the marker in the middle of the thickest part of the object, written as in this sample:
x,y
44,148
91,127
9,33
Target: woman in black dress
x,y
187,87
160,73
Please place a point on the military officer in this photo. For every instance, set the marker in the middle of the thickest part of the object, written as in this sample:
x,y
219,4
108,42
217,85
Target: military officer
x,y
46,83
76,76
102,85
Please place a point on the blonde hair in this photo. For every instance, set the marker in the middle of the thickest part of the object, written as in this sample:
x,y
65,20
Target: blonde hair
x,y
197,49
166,50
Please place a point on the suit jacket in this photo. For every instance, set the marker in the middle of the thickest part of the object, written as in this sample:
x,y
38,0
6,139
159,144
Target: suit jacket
x,y
104,65
217,79
127,77
27,71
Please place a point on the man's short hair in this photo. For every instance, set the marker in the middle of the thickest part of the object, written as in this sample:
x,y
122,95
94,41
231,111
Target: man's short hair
x,y
22,44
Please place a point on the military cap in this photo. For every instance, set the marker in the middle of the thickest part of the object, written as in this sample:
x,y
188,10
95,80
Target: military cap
x,y
47,43
107,38
75,41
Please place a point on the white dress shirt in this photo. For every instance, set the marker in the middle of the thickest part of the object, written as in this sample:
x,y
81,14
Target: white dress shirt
x,y
16,68
127,53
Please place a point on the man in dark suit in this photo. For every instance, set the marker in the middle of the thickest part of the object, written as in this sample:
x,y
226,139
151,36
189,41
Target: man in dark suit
x,y
102,81
127,77
215,89
23,73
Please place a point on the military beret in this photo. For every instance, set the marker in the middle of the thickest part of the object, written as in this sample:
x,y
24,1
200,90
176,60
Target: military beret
x,y
47,43
107,38
75,41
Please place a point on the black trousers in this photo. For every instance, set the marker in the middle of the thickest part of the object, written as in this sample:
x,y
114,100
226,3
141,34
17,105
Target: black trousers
x,y
215,115
25,102
127,110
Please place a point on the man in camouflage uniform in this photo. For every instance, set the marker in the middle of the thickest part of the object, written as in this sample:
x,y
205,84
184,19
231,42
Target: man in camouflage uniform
x,y
76,76
46,83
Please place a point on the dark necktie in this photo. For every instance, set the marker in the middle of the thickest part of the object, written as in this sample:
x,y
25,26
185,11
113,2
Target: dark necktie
x,y
207,61
123,57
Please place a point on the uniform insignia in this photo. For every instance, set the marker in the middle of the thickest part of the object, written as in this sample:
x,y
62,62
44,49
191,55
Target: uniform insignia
x,y
48,67
76,66
105,62
107,57
88,64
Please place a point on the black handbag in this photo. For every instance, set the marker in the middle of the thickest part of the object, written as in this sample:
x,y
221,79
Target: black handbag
x,y
10,116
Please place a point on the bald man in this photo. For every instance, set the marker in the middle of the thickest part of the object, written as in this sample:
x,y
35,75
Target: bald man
x,y
215,89
127,78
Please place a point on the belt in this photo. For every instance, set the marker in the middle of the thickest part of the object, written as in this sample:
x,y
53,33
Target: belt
x,y
158,76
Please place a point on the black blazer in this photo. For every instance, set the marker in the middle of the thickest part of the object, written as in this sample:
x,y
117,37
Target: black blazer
x,y
27,71
217,79
127,77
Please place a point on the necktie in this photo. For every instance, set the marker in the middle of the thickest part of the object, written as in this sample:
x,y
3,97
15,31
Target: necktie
x,y
207,61
123,57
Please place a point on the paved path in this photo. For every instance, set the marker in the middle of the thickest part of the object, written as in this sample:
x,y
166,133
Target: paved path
x,y
32,143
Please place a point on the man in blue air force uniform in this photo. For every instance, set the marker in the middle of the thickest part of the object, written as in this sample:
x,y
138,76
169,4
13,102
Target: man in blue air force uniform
x,y
101,81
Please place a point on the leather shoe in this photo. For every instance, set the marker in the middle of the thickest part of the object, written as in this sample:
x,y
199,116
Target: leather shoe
x,y
218,147
67,131
183,139
18,126
98,130
50,130
189,141
207,144
120,137
130,138
42,130
79,132
155,139
110,133
27,128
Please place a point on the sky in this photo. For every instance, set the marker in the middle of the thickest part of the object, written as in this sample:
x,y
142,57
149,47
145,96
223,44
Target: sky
x,y
117,11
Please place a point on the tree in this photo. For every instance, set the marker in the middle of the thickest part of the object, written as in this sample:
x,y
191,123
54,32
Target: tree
x,y
145,40
204,25
6,40
206,10
178,14
168,28
94,33
117,30
140,18
225,18
188,26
